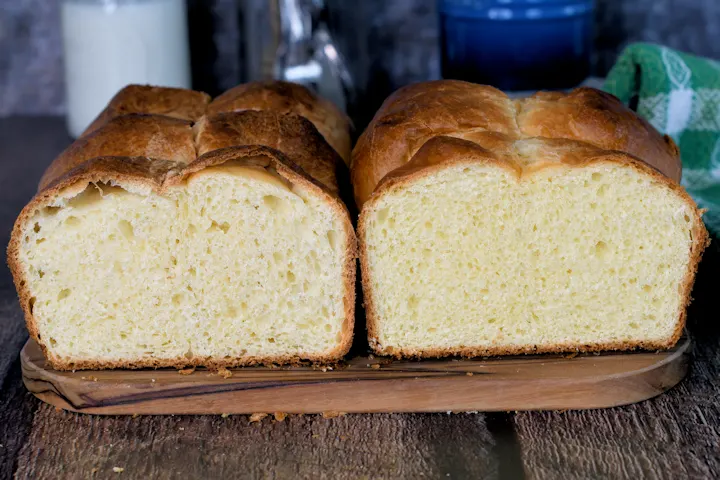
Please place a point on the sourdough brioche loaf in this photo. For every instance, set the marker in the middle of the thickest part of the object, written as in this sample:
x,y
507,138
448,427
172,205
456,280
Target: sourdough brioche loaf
x,y
166,236
496,226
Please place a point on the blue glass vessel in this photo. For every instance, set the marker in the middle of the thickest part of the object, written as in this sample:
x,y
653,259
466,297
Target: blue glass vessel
x,y
517,44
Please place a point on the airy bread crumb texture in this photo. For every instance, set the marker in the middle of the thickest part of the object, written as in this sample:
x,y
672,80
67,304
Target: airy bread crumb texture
x,y
235,263
473,256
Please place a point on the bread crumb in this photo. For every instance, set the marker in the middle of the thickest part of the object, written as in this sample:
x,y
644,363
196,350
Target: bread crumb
x,y
94,470
375,366
152,380
469,374
118,469
257,417
224,372
280,416
324,369
225,415
182,429
315,435
135,415
371,356
332,414
186,371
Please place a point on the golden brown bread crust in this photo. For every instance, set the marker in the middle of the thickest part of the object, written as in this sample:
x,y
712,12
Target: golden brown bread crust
x,y
154,153
598,118
171,102
285,97
442,152
426,127
293,135
415,114
134,135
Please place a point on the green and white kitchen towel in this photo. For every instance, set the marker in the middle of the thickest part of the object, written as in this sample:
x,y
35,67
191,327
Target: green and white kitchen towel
x,y
679,94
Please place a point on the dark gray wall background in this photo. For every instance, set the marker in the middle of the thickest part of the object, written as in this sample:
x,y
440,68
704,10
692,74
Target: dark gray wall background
x,y
389,43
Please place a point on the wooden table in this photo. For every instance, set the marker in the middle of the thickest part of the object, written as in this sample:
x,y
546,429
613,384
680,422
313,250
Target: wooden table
x,y
674,436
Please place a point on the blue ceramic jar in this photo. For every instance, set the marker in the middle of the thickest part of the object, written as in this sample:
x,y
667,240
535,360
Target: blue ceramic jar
x,y
517,44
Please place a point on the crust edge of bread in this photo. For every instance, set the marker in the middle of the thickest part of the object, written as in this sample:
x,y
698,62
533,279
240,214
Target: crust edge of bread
x,y
158,175
405,176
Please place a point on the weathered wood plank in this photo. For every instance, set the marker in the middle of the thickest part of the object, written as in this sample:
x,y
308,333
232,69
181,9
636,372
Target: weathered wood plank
x,y
68,445
16,403
17,407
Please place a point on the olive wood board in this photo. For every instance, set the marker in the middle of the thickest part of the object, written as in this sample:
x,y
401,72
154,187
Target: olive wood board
x,y
366,384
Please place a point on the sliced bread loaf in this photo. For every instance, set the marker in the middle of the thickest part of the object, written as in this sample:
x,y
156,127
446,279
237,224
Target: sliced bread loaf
x,y
547,224
137,252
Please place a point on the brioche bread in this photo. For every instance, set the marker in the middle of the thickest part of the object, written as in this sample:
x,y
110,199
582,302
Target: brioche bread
x,y
188,239
495,226
286,97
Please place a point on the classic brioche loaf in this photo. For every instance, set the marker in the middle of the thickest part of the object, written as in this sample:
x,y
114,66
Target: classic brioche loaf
x,y
285,97
546,224
167,237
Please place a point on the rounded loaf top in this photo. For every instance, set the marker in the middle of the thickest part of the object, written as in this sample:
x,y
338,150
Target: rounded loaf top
x,y
482,114
287,97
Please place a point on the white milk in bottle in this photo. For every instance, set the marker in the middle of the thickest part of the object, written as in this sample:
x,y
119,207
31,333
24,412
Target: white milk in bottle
x,y
111,43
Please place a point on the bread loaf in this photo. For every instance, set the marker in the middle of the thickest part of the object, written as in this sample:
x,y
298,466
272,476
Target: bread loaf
x,y
166,236
285,97
495,226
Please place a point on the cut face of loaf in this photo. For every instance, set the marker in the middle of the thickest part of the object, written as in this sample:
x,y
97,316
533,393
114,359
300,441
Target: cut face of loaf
x,y
237,257
233,263
500,244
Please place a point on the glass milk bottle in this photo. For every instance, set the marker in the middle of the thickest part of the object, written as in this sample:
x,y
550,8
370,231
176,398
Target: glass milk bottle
x,y
111,43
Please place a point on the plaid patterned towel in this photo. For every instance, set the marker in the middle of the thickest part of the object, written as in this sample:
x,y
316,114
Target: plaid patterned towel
x,y
679,94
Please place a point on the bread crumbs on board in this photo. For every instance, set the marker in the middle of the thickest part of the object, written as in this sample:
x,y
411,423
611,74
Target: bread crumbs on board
x,y
257,417
280,416
118,469
224,372
186,371
332,414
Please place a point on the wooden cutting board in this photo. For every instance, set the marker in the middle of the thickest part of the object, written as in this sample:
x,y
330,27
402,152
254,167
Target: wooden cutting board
x,y
365,384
